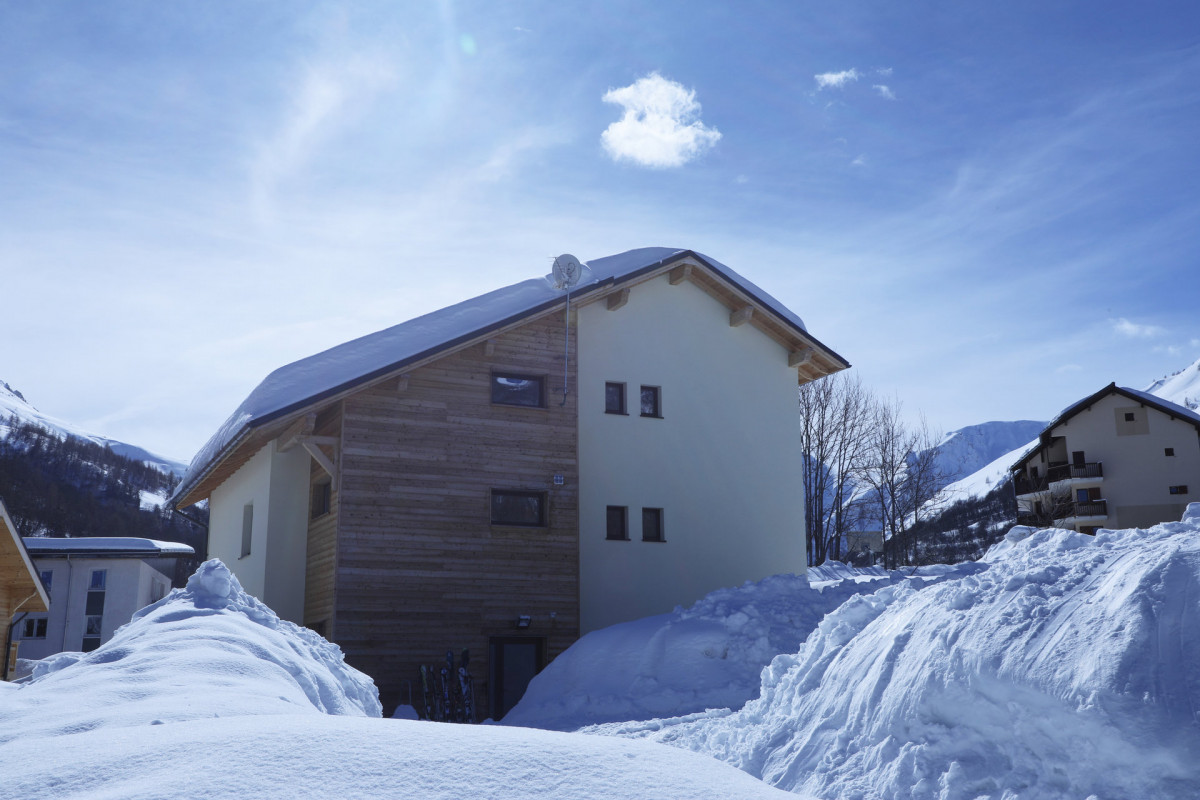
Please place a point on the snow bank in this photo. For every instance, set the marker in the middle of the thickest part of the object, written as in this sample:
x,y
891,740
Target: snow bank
x,y
209,650
1069,667
708,656
207,694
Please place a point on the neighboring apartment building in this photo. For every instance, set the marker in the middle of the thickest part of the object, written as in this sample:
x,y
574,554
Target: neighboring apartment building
x,y
21,592
1117,459
501,475
95,584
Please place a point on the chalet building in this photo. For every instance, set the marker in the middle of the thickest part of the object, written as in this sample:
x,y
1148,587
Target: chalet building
x,y
21,591
1117,459
95,584
515,470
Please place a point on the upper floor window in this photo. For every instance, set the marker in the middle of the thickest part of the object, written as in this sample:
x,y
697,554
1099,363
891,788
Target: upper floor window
x,y
614,398
322,499
1178,490
47,576
618,523
527,509
651,401
247,529
1169,451
99,580
513,389
652,525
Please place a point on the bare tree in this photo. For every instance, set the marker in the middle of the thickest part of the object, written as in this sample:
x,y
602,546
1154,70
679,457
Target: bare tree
x,y
902,474
836,415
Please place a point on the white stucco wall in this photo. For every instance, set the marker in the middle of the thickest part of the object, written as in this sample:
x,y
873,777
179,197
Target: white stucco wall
x,y
724,462
276,485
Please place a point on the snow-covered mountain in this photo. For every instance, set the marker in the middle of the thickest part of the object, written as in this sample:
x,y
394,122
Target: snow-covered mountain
x,y
1182,388
12,402
967,450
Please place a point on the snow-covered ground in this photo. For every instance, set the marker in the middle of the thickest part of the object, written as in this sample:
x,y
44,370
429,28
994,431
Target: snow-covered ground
x,y
207,694
1061,666
1068,666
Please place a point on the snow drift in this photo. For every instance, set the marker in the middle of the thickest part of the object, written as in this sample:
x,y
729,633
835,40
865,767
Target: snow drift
x,y
704,657
1069,667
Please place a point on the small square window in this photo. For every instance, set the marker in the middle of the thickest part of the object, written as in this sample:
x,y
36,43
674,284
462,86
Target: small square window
x,y
652,525
526,509
511,389
94,623
1178,490
651,401
614,398
1129,416
618,523
99,579
1170,451
34,629
322,498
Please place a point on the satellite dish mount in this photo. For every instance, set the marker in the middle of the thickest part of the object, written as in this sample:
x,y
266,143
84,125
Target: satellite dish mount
x,y
565,274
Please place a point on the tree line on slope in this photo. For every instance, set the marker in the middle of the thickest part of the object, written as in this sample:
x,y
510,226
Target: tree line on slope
x,y
67,486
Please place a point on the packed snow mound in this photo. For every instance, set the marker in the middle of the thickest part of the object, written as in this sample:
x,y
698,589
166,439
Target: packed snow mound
x,y
237,656
1069,667
708,656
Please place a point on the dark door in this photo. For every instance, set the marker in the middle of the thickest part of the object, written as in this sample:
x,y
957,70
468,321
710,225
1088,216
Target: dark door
x,y
512,663
1077,458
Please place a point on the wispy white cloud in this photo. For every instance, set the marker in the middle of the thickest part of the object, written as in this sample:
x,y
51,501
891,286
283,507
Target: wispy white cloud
x,y
836,80
1065,368
660,127
884,71
327,95
1135,331
884,91
861,161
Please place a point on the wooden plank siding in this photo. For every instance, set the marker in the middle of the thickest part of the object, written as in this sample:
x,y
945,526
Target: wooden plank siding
x,y
322,536
419,567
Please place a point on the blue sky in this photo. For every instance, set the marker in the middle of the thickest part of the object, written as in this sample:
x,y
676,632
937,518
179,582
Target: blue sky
x,y
991,210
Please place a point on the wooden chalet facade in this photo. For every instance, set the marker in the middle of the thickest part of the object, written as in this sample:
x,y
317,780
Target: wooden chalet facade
x,y
21,590
423,491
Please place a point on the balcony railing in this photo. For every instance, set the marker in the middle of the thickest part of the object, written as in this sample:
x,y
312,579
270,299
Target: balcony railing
x,y
1027,485
1065,472
1088,508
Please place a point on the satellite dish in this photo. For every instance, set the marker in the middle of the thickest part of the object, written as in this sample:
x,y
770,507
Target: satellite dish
x,y
566,271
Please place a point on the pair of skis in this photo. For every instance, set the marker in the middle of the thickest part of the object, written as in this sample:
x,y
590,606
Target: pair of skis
x,y
449,693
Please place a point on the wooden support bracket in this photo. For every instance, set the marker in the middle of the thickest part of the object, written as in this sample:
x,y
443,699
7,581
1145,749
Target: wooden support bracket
x,y
618,299
798,358
489,347
741,316
402,383
680,274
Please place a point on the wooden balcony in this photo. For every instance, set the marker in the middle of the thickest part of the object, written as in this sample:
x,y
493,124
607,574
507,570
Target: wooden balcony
x,y
1023,484
1066,472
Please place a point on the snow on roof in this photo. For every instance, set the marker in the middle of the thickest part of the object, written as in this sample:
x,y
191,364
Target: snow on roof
x,y
104,545
310,379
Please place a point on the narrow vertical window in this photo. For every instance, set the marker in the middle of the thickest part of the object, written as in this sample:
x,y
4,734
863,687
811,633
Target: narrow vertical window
x,y
618,523
247,528
651,401
93,621
614,398
322,498
652,525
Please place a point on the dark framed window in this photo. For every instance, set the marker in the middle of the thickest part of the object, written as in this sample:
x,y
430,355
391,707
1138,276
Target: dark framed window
x,y
1170,451
514,389
34,629
526,509
1179,490
247,529
47,576
651,401
652,525
614,398
1130,417
618,523
99,579
322,498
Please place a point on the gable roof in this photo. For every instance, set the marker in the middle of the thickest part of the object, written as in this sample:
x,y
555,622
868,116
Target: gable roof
x,y
104,547
1172,410
311,380
18,578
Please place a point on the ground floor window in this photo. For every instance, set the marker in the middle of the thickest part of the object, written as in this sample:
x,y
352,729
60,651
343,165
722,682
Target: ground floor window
x,y
34,628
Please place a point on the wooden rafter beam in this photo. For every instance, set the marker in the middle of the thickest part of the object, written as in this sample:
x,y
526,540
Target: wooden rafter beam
x,y
618,299
680,274
740,316
798,358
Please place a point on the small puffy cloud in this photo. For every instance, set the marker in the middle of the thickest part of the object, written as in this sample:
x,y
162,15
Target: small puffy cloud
x,y
1135,331
836,80
861,161
660,127
884,91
